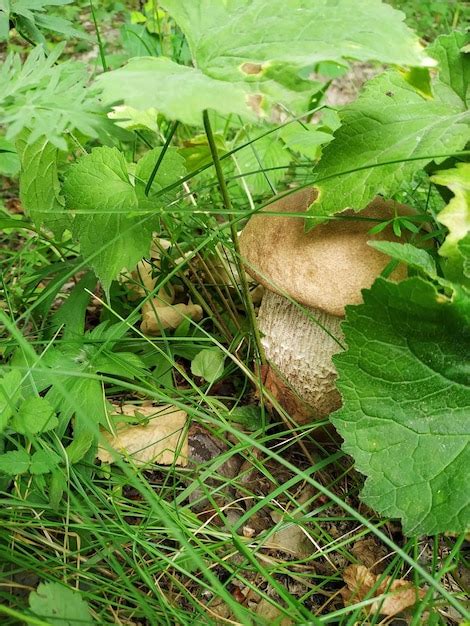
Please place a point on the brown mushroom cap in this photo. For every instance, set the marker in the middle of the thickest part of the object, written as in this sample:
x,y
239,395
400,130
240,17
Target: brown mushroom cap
x,y
325,268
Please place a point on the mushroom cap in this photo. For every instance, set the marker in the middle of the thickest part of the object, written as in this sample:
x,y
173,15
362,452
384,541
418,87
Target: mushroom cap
x,y
325,268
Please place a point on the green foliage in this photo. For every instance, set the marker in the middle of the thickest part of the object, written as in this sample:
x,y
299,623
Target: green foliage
x,y
209,364
14,462
9,162
176,91
113,234
59,606
31,16
39,182
47,97
391,123
35,415
456,216
406,403
409,254
248,73
268,152
431,18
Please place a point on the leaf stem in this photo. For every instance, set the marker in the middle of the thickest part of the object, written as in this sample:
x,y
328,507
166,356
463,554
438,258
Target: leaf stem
x,y
166,145
98,37
233,230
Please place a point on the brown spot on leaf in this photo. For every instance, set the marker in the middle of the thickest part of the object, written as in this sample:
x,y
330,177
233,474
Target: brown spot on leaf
x,y
251,68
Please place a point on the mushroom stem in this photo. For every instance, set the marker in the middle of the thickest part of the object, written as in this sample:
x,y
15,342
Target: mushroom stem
x,y
300,350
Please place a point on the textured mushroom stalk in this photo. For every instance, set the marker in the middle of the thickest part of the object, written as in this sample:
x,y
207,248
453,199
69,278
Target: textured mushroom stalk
x,y
324,269
300,350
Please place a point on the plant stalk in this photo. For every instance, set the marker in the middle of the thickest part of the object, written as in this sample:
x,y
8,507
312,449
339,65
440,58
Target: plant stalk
x,y
233,231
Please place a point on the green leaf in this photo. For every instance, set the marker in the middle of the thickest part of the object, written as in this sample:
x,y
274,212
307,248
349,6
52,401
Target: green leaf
x,y
170,170
405,385
209,364
267,152
388,123
133,119
176,91
301,33
39,183
14,462
306,140
10,389
48,98
9,161
43,462
99,190
407,253
456,216
59,605
72,312
35,415
251,54
29,17
249,416
464,248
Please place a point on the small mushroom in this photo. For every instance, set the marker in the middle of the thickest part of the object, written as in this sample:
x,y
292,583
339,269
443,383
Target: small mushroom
x,y
324,270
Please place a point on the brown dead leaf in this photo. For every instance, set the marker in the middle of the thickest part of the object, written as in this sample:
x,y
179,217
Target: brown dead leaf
x,y
164,440
400,594
271,614
371,553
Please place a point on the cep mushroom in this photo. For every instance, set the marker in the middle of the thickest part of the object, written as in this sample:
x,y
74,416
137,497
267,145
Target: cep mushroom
x,y
324,270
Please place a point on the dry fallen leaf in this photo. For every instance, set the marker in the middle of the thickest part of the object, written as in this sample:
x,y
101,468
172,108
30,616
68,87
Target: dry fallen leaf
x,y
271,614
370,553
400,594
164,440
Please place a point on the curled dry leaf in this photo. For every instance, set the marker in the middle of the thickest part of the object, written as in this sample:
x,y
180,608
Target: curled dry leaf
x,y
400,594
163,440
156,317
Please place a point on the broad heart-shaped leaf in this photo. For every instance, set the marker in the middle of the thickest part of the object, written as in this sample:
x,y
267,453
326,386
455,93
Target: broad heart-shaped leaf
x,y
98,189
39,183
209,364
405,418
456,216
251,54
391,122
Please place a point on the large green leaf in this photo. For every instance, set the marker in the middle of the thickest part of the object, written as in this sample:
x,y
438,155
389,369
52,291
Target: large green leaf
x,y
405,383
114,220
251,54
286,36
176,91
39,183
99,190
390,123
456,216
